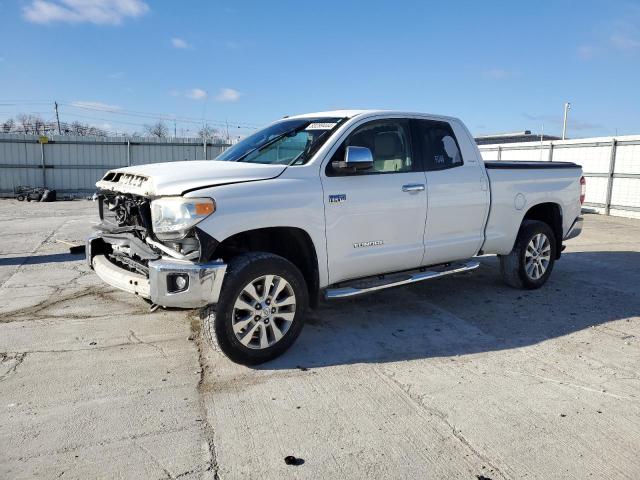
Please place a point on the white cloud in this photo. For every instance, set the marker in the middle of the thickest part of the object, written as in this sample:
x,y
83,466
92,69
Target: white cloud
x,y
179,43
105,107
498,73
228,95
101,12
116,75
196,94
624,42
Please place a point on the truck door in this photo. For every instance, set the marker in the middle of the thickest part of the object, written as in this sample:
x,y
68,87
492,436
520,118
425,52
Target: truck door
x,y
375,218
457,191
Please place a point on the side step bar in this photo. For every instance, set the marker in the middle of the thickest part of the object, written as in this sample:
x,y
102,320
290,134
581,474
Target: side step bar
x,y
359,287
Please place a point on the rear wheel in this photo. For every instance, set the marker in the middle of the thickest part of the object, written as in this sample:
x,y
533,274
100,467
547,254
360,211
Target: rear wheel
x,y
531,261
261,308
20,198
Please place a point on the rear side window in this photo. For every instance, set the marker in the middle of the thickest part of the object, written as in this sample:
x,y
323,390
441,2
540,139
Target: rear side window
x,y
438,145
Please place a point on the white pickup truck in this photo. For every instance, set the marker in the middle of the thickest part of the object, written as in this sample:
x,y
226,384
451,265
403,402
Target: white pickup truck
x,y
332,205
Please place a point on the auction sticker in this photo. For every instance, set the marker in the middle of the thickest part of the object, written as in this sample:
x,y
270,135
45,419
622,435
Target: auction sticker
x,y
320,126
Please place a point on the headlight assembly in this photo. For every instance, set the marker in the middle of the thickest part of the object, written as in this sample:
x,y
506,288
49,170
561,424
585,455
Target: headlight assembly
x,y
172,217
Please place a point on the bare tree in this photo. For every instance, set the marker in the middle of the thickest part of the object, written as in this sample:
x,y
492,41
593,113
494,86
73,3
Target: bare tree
x,y
39,126
77,128
8,125
96,132
208,132
30,124
158,129
35,125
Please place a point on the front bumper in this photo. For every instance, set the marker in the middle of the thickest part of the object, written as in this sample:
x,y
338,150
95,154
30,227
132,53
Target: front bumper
x,y
575,229
203,280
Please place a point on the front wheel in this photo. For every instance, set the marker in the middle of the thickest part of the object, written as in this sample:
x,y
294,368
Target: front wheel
x,y
531,261
261,308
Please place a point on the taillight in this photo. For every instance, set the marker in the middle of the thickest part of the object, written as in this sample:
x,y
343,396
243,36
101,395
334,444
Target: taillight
x,y
583,189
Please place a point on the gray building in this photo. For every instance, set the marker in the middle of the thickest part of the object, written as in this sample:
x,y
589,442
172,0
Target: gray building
x,y
515,137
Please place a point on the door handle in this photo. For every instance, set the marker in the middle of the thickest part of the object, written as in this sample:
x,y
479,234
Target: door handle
x,y
413,187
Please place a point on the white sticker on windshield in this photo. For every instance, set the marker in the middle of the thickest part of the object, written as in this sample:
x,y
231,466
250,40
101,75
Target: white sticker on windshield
x,y
320,126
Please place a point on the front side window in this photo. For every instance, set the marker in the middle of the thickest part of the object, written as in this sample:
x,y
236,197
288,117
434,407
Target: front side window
x,y
287,142
438,144
389,143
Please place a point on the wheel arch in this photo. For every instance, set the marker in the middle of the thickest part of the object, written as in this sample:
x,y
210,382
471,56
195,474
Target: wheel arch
x,y
292,243
551,214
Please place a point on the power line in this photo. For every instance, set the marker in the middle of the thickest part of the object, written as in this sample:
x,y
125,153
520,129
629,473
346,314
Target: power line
x,y
136,113
163,116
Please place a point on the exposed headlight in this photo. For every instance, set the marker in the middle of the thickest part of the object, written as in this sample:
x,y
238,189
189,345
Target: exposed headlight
x,y
172,217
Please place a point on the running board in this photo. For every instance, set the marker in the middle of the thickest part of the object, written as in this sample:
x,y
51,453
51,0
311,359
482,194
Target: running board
x,y
359,287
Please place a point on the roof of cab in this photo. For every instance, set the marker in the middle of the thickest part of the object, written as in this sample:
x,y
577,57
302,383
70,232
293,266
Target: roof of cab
x,y
332,114
354,113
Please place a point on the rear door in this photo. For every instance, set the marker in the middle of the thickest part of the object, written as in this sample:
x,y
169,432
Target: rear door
x,y
375,219
457,190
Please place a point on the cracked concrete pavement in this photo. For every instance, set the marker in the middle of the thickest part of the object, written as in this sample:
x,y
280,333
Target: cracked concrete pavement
x,y
458,378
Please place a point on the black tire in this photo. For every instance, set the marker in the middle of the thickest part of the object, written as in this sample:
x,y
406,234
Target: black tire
x,y
20,198
28,198
513,266
217,319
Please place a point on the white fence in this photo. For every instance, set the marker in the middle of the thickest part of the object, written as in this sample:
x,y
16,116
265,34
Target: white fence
x,y
611,166
74,164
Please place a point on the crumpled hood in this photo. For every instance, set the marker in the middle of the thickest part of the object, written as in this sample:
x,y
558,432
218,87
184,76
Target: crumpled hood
x,y
174,178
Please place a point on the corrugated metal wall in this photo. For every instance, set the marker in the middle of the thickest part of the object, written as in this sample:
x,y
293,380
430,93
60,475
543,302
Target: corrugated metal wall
x,y
610,164
74,164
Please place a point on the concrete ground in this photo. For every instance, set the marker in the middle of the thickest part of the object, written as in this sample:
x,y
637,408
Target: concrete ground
x,y
462,377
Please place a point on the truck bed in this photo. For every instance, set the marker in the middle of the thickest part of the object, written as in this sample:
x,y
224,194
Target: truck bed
x,y
517,186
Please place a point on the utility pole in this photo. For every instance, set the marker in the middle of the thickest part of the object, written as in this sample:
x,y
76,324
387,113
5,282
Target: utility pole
x,y
174,128
57,117
567,107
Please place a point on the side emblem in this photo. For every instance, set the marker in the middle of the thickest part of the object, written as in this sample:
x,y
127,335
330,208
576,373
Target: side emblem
x,y
340,198
370,243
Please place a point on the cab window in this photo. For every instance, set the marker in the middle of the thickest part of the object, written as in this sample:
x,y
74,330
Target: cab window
x,y
390,146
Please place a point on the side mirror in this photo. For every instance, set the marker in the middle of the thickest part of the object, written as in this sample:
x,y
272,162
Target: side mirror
x,y
355,158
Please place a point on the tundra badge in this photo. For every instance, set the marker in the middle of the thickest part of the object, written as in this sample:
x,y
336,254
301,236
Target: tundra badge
x,y
370,243
340,198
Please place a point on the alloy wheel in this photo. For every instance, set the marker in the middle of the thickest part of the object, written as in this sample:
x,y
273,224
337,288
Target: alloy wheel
x,y
537,256
263,312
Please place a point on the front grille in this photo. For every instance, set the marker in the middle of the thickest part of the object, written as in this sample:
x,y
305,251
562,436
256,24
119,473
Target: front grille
x,y
126,179
124,210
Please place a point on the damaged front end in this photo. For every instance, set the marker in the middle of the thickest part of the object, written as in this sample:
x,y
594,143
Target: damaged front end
x,y
172,271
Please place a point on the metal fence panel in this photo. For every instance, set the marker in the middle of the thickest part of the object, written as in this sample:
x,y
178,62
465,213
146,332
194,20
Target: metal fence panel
x,y
628,159
533,154
592,159
596,190
625,192
74,164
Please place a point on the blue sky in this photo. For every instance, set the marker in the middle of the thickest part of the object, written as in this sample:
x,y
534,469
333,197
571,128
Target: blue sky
x,y
500,66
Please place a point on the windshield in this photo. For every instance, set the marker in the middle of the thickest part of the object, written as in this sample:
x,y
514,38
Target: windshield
x,y
286,142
